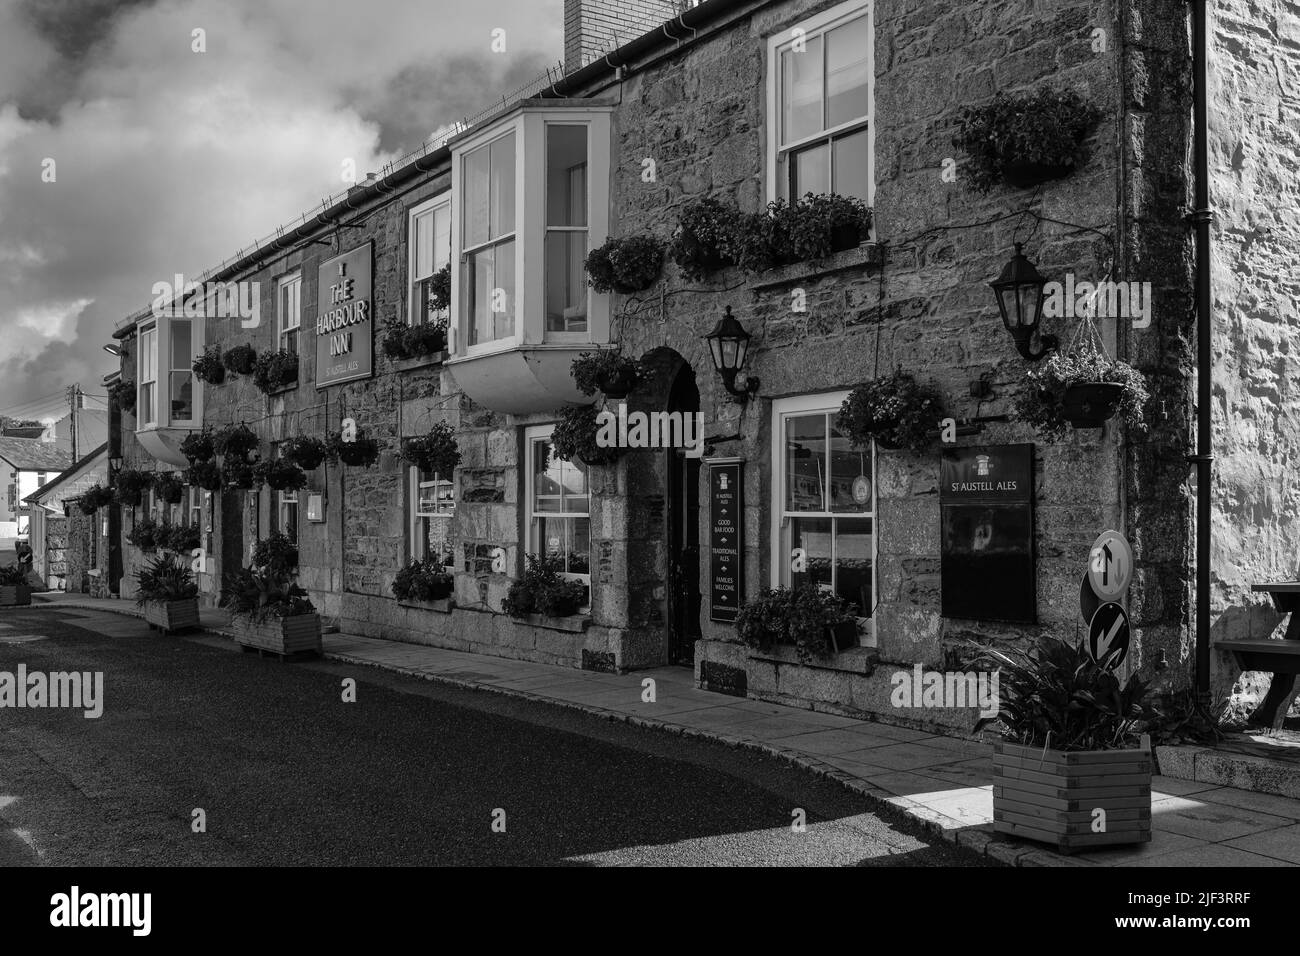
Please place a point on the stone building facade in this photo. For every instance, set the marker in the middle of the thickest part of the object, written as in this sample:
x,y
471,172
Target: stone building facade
x,y
688,112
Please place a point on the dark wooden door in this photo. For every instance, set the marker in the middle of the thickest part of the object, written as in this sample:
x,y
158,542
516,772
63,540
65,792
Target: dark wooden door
x,y
683,530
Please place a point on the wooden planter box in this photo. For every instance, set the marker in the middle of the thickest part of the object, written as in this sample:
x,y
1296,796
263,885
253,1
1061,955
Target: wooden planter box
x,y
1051,796
172,615
284,636
12,595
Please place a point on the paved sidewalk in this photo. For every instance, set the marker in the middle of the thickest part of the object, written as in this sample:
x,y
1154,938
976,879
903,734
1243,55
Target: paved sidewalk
x,y
942,781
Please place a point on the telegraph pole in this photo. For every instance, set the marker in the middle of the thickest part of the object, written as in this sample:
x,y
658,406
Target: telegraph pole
x,y
74,400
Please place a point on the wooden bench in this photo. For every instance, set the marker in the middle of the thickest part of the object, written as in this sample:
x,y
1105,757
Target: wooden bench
x,y
1281,657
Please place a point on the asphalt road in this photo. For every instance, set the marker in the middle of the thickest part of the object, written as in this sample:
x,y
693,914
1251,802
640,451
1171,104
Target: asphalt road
x,y
412,773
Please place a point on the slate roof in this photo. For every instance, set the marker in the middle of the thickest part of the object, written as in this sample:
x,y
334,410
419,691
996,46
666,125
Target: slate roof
x,y
30,454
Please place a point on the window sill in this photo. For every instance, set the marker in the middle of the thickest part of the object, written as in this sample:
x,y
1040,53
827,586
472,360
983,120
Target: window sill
x,y
420,361
282,389
856,660
866,254
574,624
445,606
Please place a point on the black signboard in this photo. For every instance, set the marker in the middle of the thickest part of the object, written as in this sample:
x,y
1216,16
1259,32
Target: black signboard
x,y
726,539
986,497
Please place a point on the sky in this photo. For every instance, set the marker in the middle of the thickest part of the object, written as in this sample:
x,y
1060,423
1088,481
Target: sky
x,y
169,160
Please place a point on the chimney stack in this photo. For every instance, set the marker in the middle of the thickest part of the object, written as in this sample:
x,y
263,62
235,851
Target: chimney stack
x,y
593,28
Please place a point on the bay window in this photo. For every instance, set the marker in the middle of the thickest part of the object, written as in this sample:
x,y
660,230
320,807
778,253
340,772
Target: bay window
x,y
147,404
820,93
566,228
169,395
558,525
429,244
432,506
488,230
824,507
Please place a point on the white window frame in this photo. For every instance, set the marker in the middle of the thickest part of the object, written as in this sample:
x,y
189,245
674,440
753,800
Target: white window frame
x,y
154,340
282,500
813,27
529,127
414,515
532,435
287,324
794,407
428,208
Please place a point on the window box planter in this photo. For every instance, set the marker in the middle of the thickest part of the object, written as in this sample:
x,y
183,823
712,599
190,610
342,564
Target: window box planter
x,y
441,606
170,616
845,237
13,595
1091,404
1051,796
300,634
420,361
572,623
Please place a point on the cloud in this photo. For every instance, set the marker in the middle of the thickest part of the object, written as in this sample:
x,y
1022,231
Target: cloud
x,y
168,160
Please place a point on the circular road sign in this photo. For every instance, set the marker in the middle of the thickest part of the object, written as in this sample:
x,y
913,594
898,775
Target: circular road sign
x,y
1110,566
1088,600
1108,632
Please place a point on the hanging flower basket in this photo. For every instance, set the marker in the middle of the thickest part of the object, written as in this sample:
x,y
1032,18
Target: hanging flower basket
x,y
240,360
131,484
275,370
123,393
360,453
208,367
607,371
94,498
199,446
625,265
436,452
1082,387
234,441
304,451
282,475
169,488
575,437
894,410
704,228
205,475
239,473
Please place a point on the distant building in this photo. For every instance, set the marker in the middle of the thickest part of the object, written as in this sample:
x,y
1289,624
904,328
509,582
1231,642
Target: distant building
x,y
25,465
68,546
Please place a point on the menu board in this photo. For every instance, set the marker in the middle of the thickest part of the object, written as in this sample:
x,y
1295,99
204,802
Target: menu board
x,y
726,539
986,496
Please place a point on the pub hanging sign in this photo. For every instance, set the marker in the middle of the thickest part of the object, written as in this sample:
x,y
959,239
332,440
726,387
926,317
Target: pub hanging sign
x,y
345,327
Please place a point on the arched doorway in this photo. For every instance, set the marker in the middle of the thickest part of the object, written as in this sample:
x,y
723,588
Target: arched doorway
x,y
682,516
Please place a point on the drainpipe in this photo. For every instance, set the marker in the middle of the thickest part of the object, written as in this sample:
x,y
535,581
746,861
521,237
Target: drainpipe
x,y
1201,216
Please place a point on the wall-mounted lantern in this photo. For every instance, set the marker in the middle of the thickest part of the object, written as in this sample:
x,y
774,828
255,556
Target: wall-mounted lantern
x,y
1020,291
729,346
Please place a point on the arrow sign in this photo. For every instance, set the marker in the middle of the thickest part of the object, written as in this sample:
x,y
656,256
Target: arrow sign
x,y
1108,633
1110,566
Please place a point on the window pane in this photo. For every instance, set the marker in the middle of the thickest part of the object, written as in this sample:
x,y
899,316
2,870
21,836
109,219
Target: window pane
x,y
801,91
148,356
813,535
182,353
182,396
423,240
441,236
475,202
805,462
492,293
566,175
846,72
851,165
853,563
566,542
146,403
812,173
503,187
566,285
848,464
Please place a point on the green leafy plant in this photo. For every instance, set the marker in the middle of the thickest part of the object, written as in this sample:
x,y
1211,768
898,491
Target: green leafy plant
x,y
208,367
123,393
181,538
1053,695
705,227
165,579
275,370
608,371
423,581
259,596
436,451
575,437
362,452
199,446
1042,403
1024,138
542,590
169,488
305,451
895,410
440,288
281,475
144,534
131,485
1180,720
11,575
203,474
820,224
240,360
240,473
625,265
798,618
276,553
234,441
402,341
760,240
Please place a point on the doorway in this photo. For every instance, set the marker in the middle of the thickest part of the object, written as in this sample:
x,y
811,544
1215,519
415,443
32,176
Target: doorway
x,y
683,517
